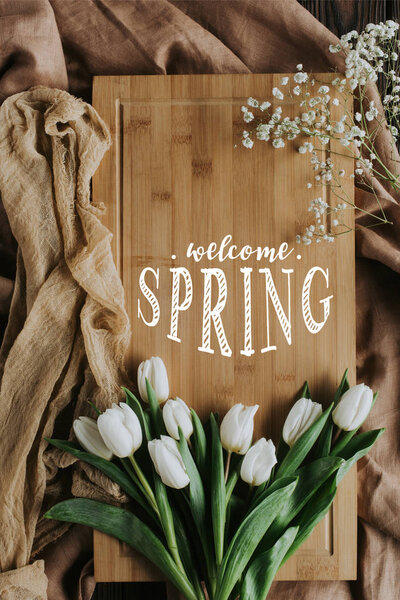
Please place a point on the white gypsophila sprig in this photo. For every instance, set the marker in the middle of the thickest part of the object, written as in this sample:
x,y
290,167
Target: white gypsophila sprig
x,y
323,118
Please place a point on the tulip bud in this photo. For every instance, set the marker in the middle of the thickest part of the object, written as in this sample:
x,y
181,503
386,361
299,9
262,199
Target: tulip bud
x,y
237,428
168,462
302,415
120,429
353,407
89,437
177,414
257,464
154,370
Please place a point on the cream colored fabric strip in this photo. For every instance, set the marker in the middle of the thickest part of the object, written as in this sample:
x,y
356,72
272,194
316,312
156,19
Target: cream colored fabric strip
x,y
26,583
68,330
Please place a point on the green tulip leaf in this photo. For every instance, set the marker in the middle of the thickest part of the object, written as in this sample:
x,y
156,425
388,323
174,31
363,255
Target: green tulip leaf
x,y
312,514
282,450
302,446
200,442
233,477
96,410
155,411
196,489
248,536
262,570
197,501
323,445
166,518
218,492
185,551
126,527
108,468
135,405
315,510
310,478
356,448
305,392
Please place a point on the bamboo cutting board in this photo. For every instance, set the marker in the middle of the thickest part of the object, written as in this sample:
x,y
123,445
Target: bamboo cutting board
x,y
177,175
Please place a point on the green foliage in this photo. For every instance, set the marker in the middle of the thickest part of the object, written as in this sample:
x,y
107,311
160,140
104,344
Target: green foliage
x,y
155,411
263,568
310,478
135,405
356,448
247,538
303,445
312,514
200,442
218,493
125,526
108,468
222,535
323,445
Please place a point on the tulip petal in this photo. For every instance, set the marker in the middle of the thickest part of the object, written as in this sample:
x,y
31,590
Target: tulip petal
x,y
89,437
168,462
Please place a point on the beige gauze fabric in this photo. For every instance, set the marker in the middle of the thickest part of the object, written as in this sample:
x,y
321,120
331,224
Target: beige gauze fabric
x,y
68,330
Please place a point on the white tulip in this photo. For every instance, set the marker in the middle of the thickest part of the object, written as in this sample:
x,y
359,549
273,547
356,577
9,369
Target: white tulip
x,y
120,429
168,462
353,407
302,415
237,428
257,464
155,371
89,437
176,414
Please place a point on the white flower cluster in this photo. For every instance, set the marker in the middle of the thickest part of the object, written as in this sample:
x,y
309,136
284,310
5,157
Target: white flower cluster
x,y
365,52
370,54
367,55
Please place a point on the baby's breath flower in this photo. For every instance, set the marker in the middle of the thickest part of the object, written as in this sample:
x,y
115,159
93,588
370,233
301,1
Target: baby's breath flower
x,y
300,77
247,142
252,102
265,105
277,93
278,143
373,52
248,116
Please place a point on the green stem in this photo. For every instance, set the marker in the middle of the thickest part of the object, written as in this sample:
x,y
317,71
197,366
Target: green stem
x,y
145,484
133,476
172,545
228,462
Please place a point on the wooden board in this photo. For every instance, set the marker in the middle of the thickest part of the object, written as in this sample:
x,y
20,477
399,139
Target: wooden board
x,y
177,173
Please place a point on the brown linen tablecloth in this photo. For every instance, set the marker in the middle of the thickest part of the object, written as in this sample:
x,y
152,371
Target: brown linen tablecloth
x,y
62,43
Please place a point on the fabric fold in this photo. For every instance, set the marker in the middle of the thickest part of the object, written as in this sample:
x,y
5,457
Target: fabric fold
x,y
68,330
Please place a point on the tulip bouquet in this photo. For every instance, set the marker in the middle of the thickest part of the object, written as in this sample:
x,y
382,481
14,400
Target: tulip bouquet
x,y
217,513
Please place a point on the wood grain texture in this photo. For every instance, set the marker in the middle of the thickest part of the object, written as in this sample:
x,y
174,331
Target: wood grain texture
x,y
174,176
347,16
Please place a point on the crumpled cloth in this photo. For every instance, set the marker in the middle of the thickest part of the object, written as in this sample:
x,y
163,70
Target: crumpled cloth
x,y
62,43
68,330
